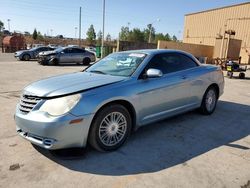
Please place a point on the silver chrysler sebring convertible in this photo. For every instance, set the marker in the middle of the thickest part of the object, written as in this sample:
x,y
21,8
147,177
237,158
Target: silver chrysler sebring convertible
x,y
104,103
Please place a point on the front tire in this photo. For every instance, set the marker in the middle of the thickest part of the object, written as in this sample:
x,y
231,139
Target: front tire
x,y
111,128
26,57
55,62
209,101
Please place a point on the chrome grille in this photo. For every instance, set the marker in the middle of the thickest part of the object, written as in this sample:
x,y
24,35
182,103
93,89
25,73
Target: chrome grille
x,y
27,103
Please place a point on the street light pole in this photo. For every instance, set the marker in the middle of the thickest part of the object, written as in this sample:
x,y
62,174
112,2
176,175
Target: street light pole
x,y
80,20
8,24
150,30
103,25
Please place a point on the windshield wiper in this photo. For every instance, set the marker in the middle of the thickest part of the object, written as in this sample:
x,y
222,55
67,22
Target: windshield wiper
x,y
97,71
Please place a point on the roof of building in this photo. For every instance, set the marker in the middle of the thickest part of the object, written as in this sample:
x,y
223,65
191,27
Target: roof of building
x,y
217,8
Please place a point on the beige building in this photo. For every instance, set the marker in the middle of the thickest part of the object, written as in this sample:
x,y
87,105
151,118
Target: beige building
x,y
207,26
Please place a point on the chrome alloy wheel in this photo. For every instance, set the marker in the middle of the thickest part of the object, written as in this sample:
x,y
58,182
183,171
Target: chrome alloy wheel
x,y
210,100
112,129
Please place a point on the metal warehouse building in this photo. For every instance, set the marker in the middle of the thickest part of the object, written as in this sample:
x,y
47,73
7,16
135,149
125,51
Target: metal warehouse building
x,y
206,26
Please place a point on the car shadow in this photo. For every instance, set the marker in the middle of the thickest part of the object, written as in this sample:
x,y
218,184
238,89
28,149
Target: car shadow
x,y
163,144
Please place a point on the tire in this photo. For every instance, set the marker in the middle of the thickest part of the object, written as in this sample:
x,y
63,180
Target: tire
x,y
55,62
26,57
242,75
230,74
209,101
86,61
106,135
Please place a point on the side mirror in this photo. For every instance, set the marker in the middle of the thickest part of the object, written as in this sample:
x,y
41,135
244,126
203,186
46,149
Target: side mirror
x,y
153,73
62,52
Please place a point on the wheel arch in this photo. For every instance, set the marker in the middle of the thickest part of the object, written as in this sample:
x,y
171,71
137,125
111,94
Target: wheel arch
x,y
128,105
217,89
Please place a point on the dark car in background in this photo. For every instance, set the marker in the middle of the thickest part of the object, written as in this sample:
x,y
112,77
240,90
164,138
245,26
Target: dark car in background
x,y
66,55
32,53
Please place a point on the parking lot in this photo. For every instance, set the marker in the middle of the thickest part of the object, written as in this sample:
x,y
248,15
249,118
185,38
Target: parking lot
x,y
190,150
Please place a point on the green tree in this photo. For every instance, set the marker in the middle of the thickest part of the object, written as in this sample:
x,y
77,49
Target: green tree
x,y
124,33
108,37
39,36
91,35
136,35
159,36
99,38
167,37
34,35
1,25
175,38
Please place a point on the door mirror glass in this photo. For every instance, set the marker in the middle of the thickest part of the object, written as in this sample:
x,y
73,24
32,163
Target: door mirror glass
x,y
153,73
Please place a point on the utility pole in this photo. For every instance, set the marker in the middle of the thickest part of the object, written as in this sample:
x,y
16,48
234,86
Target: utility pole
x,y
150,29
80,20
103,25
8,24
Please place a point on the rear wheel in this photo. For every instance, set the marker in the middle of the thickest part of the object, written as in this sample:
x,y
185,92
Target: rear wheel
x,y
242,75
110,128
209,101
26,57
86,61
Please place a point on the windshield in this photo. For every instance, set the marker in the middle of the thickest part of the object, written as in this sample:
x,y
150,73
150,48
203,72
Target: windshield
x,y
58,50
118,64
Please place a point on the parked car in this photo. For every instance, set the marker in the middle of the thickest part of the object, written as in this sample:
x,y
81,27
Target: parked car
x,y
103,104
32,53
66,55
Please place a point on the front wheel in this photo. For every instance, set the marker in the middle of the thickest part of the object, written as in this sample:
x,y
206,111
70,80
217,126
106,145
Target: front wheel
x,y
110,128
26,57
209,101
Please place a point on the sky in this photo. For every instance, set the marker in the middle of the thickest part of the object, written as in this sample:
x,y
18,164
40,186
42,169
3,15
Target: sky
x,y
61,17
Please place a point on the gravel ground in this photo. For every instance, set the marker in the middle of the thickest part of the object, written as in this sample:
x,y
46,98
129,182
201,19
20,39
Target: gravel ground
x,y
190,150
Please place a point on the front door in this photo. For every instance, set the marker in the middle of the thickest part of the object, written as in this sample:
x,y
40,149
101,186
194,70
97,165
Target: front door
x,y
164,96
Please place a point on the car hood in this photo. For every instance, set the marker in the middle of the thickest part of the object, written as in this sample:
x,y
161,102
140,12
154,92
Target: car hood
x,y
69,83
21,51
47,53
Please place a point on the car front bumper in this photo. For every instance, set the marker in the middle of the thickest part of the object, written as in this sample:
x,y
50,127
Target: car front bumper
x,y
53,132
17,56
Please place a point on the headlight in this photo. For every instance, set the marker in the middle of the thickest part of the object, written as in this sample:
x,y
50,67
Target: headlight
x,y
52,56
60,106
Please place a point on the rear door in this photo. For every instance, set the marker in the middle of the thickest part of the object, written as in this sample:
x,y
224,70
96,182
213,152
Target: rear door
x,y
78,55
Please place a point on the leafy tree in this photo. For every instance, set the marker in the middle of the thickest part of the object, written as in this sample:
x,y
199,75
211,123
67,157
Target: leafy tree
x,y
91,35
175,38
136,35
1,25
167,37
159,36
99,37
108,37
34,35
124,34
39,36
